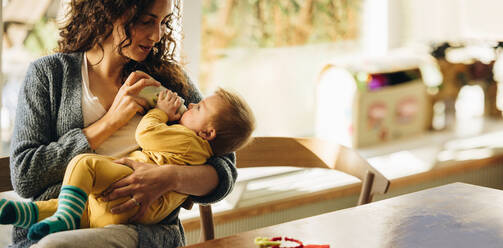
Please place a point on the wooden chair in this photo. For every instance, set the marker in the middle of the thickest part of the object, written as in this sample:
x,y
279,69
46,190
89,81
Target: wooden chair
x,y
307,153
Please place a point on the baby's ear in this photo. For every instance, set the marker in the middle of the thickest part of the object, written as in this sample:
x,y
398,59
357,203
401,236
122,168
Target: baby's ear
x,y
208,134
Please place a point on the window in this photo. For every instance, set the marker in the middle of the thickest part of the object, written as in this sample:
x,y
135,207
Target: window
x,y
30,31
271,52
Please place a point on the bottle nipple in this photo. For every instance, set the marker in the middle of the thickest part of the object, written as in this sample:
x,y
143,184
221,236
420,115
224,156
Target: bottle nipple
x,y
182,107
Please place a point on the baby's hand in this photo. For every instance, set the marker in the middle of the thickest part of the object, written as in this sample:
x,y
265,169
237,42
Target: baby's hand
x,y
169,102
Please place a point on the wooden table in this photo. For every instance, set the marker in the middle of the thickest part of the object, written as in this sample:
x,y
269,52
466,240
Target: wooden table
x,y
455,215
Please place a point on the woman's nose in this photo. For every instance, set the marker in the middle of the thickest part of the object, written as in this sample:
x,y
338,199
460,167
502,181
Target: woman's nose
x,y
157,33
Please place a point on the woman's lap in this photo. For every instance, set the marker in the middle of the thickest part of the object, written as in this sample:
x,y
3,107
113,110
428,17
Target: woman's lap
x,y
109,236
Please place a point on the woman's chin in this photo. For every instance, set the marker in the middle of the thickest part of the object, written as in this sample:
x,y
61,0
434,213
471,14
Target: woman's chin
x,y
138,57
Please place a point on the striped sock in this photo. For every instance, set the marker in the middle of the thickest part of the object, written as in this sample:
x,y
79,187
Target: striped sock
x,y
71,205
18,213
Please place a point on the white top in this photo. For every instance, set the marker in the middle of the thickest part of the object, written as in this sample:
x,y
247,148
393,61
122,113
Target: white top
x,y
123,140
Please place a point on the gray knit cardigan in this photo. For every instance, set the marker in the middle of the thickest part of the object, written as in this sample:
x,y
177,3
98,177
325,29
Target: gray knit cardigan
x,y
48,134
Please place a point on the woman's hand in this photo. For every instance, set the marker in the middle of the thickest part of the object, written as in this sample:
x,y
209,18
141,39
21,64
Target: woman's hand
x,y
127,102
169,102
146,184
125,105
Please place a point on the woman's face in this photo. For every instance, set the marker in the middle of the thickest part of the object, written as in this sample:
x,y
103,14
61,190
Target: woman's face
x,y
149,29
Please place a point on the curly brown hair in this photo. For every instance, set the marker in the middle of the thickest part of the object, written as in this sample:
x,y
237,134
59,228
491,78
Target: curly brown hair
x,y
90,22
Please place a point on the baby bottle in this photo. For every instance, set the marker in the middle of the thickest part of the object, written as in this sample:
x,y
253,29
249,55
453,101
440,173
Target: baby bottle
x,y
151,93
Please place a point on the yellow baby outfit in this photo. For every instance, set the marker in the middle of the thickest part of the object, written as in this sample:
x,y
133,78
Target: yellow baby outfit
x,y
161,144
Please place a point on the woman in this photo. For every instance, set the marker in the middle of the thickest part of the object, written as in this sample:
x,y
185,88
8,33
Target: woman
x,y
85,99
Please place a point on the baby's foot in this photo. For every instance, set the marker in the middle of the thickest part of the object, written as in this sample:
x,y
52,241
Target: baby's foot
x,y
18,213
71,205
55,223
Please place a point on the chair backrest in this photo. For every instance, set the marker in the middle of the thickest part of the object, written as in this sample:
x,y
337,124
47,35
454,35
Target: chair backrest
x,y
313,153
307,153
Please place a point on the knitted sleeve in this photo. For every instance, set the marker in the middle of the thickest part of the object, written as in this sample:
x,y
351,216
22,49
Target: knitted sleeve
x,y
38,156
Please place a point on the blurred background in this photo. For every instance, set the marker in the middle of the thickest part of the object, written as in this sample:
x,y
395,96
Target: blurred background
x,y
413,84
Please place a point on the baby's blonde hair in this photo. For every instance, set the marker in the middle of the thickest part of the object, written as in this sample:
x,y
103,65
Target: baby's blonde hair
x,y
234,123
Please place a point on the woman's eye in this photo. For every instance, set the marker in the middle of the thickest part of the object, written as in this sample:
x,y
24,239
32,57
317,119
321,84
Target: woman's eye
x,y
147,22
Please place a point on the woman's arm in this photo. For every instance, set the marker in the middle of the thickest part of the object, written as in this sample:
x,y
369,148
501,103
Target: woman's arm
x,y
195,180
38,156
225,167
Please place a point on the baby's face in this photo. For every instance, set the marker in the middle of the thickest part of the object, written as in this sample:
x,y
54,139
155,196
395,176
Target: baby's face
x,y
198,116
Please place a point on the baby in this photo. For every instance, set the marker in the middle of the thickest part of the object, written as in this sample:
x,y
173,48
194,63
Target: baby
x,y
219,124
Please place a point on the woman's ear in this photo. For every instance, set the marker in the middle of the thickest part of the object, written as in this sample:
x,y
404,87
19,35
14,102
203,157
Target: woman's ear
x,y
208,134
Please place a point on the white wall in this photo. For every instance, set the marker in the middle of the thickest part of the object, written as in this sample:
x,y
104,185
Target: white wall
x,y
483,18
191,22
415,21
391,24
374,31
